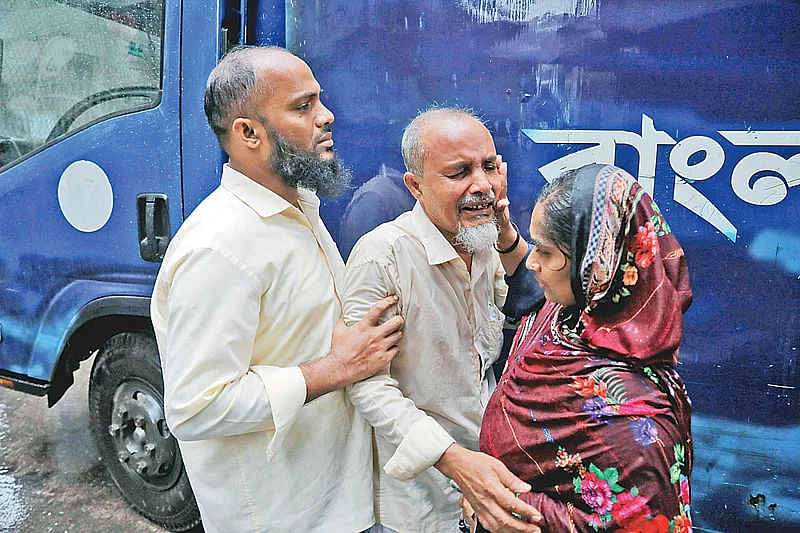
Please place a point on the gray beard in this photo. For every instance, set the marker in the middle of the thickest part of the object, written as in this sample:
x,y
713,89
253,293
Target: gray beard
x,y
300,168
476,238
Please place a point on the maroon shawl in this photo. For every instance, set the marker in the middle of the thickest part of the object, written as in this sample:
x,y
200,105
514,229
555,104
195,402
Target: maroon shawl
x,y
590,410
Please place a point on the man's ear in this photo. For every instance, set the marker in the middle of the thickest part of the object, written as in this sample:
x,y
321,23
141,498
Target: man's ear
x,y
412,182
246,132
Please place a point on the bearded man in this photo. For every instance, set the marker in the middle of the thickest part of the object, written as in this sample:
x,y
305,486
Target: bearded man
x,y
245,312
441,260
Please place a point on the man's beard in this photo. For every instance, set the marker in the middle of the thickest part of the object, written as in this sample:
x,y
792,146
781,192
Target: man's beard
x,y
479,238
298,167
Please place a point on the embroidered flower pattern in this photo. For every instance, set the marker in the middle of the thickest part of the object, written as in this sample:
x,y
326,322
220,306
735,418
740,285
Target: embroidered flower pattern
x,y
598,410
642,252
644,431
685,499
609,501
659,222
587,387
642,524
569,462
606,398
596,493
628,506
683,524
675,469
631,276
644,245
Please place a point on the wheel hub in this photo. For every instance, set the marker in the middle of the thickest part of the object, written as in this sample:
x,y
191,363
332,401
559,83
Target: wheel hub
x,y
144,444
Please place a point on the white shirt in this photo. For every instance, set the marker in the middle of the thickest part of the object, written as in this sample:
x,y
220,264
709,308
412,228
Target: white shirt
x,y
436,389
246,293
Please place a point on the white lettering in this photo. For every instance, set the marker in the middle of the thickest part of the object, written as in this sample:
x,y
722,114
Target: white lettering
x,y
689,197
767,189
604,151
773,174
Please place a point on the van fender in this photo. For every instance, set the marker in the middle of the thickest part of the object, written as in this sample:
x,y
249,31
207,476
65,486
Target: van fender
x,y
62,341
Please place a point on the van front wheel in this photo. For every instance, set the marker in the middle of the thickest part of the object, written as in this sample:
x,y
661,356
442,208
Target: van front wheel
x,y
126,398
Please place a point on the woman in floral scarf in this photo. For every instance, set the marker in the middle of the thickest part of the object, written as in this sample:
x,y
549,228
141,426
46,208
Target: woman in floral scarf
x,y
590,410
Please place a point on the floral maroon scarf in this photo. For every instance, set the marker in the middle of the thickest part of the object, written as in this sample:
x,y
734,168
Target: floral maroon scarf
x,y
590,410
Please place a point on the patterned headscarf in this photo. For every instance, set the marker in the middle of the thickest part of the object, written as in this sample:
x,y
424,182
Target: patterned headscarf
x,y
628,272
590,409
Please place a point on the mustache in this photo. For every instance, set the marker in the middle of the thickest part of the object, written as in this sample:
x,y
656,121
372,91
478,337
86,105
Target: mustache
x,y
480,198
298,166
324,130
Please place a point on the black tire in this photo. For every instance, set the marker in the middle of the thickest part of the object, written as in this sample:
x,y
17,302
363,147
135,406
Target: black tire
x,y
126,399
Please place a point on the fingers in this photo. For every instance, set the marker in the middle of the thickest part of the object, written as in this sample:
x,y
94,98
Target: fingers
x,y
375,312
502,169
393,339
512,503
510,481
501,520
501,211
392,325
339,329
468,513
466,507
523,511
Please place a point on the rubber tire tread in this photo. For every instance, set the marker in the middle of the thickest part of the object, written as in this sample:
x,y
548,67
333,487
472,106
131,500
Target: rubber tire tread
x,y
125,355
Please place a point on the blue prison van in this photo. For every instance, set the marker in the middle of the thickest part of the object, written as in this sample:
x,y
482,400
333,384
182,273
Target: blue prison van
x,y
104,150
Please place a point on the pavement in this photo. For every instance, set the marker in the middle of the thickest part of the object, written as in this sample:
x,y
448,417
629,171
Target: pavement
x,y
51,478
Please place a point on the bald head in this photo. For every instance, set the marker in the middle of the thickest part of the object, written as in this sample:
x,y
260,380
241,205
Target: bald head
x,y
413,143
239,82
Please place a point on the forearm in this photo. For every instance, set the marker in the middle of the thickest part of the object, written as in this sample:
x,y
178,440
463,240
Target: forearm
x,y
418,438
511,242
322,376
243,405
525,295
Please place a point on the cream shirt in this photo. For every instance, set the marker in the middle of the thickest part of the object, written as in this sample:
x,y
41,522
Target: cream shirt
x,y
246,293
436,389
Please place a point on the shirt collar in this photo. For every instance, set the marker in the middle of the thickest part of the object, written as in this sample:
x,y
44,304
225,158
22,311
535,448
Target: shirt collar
x,y
261,199
437,247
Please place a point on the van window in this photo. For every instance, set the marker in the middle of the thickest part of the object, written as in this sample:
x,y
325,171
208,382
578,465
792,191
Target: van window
x,y
67,63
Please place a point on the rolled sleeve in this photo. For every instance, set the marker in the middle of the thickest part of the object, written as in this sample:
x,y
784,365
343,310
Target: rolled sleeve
x,y
422,447
420,440
286,389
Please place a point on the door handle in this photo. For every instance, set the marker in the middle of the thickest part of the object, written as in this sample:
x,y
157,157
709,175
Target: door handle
x,y
154,231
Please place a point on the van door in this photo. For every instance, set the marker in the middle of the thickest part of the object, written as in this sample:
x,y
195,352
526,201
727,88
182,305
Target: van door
x,y
88,121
